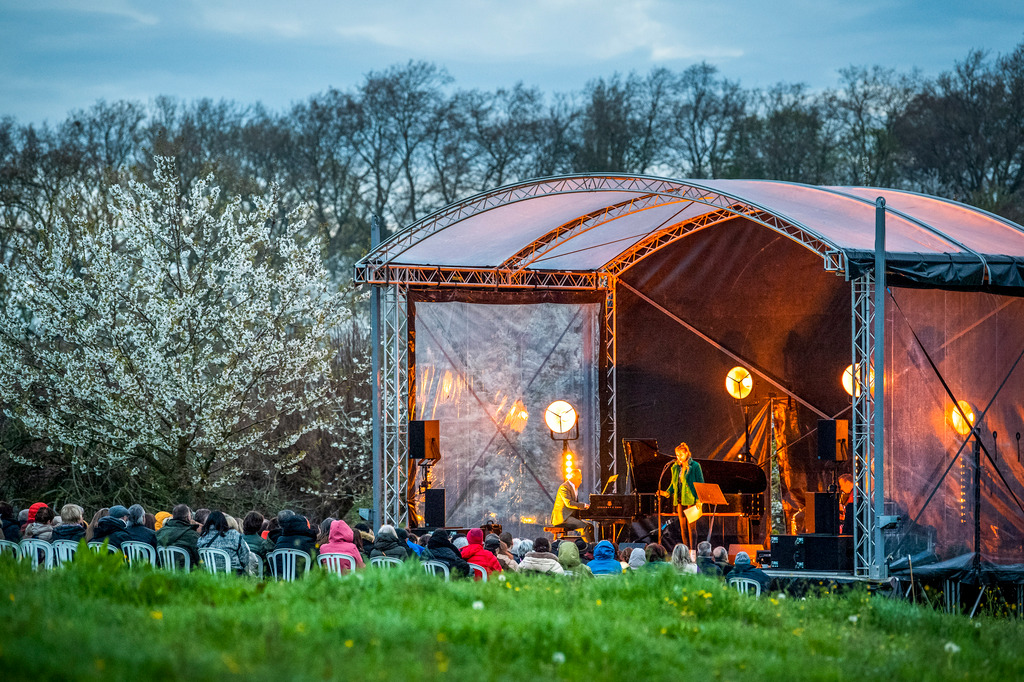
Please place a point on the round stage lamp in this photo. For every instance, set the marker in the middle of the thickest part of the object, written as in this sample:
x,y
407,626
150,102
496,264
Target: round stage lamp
x,y
738,382
961,425
848,382
560,416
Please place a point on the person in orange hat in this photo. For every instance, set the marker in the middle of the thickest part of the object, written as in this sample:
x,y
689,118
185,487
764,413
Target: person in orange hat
x,y
160,518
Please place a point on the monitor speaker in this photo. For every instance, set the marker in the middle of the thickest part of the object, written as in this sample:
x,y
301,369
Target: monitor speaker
x,y
433,508
425,439
821,514
833,440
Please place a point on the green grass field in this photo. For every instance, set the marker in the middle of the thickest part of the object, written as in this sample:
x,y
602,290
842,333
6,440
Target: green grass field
x,y
99,620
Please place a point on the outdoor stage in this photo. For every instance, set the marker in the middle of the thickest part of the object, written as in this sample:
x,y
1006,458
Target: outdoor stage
x,y
632,297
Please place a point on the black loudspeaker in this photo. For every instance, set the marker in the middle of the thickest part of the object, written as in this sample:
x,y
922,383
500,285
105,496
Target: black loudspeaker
x,y
784,551
425,440
433,507
821,514
833,440
828,552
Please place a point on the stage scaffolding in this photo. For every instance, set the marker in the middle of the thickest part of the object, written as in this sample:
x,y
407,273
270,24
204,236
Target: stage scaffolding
x,y
549,260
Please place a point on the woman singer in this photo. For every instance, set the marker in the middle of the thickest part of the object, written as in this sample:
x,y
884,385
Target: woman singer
x,y
685,472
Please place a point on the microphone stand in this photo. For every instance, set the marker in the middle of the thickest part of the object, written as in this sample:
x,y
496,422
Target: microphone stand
x,y
657,497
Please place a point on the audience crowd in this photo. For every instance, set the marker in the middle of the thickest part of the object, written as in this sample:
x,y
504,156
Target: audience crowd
x,y
249,541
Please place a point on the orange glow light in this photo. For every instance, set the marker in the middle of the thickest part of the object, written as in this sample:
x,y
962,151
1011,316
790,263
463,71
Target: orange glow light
x,y
848,380
738,382
960,425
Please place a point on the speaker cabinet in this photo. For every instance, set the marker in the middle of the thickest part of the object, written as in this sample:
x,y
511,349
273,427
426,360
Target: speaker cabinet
x,y
425,439
433,507
812,552
833,440
821,515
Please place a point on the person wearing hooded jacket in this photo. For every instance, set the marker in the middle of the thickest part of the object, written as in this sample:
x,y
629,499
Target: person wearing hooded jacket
x,y
296,533
569,557
442,549
386,543
604,561
475,553
497,547
113,527
179,531
340,540
42,527
541,560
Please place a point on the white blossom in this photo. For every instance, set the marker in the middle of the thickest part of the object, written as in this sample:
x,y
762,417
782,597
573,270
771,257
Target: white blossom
x,y
186,338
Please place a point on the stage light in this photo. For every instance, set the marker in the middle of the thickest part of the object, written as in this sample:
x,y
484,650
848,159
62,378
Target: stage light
x,y
560,416
738,382
848,380
956,417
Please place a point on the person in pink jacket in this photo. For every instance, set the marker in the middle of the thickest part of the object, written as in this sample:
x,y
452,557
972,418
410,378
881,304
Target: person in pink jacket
x,y
339,541
475,553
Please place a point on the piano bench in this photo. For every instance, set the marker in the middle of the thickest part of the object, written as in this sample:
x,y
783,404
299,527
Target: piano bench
x,y
559,532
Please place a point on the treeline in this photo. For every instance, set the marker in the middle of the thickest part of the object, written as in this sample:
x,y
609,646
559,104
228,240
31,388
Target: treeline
x,y
407,140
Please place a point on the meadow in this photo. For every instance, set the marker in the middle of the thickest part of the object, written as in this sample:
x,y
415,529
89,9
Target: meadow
x,y
100,620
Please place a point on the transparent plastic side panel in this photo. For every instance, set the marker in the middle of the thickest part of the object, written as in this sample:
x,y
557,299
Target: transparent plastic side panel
x,y
973,340
487,373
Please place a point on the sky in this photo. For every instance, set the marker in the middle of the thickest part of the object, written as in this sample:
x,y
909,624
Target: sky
x,y
57,56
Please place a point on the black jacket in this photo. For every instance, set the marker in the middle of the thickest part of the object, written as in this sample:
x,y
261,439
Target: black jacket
x,y
68,531
391,547
143,534
175,533
296,533
12,530
707,566
442,549
114,531
748,571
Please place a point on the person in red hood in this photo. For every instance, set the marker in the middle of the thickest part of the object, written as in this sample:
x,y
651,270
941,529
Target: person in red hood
x,y
475,553
339,541
32,511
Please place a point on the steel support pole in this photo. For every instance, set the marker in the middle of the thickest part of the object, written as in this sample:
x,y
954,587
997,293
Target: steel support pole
x,y
877,570
375,381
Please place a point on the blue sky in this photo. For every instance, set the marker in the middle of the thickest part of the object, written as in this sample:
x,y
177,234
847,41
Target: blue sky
x,y
58,55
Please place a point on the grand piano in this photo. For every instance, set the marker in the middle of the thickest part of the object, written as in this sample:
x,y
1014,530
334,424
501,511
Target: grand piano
x,y
742,484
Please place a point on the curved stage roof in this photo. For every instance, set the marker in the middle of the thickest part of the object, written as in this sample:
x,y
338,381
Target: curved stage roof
x,y
575,231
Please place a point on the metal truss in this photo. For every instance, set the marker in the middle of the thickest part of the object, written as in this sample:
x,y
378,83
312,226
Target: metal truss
x,y
866,555
379,266
609,422
394,406
479,278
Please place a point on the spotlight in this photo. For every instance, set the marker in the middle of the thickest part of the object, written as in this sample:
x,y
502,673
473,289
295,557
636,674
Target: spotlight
x,y
738,382
849,382
962,419
560,417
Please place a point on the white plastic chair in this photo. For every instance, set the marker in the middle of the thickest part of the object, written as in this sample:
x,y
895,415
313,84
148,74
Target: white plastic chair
x,y
385,562
478,570
336,563
606,575
744,585
138,552
283,563
212,559
97,546
31,548
169,558
8,547
433,567
64,551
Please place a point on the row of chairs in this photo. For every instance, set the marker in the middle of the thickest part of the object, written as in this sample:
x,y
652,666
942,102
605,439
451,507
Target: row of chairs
x,y
284,563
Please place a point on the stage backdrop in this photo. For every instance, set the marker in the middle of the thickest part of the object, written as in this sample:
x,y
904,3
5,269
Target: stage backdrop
x,y
487,372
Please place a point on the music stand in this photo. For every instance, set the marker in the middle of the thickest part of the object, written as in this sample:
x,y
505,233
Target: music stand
x,y
710,493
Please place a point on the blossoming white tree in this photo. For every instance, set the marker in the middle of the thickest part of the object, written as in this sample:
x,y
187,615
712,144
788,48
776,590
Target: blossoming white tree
x,y
185,340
